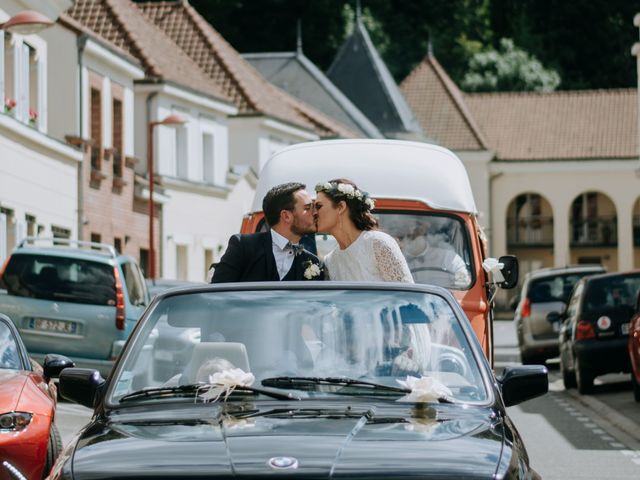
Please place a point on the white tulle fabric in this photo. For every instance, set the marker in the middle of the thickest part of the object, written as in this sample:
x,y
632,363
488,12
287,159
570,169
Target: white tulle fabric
x,y
373,257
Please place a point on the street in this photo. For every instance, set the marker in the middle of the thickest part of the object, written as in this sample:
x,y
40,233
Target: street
x,y
566,435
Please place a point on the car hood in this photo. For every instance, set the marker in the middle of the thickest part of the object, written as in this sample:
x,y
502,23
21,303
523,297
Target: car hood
x,y
333,442
11,386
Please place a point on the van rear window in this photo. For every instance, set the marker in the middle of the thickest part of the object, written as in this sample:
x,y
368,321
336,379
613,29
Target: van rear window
x,y
554,289
60,279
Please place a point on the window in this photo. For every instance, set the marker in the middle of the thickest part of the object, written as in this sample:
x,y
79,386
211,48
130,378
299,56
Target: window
x,y
144,261
117,243
59,278
117,138
207,158
96,238
182,157
182,258
96,129
135,283
31,225
10,229
33,80
10,100
60,232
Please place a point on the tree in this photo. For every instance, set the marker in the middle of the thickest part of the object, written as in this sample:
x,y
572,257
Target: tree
x,y
508,69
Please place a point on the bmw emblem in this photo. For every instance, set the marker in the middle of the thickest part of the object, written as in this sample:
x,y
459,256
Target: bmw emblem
x,y
282,463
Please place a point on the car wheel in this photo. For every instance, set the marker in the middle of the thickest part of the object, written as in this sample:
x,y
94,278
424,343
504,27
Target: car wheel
x,y
568,377
636,387
54,448
584,378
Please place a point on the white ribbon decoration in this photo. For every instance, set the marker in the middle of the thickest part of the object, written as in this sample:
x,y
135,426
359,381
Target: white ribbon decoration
x,y
225,383
494,267
424,389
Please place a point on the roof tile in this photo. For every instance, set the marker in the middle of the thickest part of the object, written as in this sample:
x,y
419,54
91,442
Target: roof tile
x,y
250,92
580,124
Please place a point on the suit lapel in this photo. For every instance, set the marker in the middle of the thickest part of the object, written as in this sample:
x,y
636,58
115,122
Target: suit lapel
x,y
271,271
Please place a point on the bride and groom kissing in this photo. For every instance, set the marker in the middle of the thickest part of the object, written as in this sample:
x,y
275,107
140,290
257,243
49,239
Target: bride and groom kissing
x,y
341,209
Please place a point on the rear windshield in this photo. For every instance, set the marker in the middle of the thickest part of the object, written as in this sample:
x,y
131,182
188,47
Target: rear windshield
x,y
554,289
60,279
612,292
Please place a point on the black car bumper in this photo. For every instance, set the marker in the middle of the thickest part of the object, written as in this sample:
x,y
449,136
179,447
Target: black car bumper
x,y
603,356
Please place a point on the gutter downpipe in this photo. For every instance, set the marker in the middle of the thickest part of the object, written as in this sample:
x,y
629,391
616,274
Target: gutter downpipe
x,y
635,51
159,269
82,42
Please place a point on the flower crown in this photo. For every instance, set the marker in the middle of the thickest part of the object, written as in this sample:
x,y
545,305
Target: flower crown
x,y
347,190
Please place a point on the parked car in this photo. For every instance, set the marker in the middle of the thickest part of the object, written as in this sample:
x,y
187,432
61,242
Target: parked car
x,y
595,329
29,439
320,382
543,291
423,198
79,299
634,349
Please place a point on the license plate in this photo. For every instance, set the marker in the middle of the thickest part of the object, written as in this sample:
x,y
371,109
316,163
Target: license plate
x,y
624,328
56,326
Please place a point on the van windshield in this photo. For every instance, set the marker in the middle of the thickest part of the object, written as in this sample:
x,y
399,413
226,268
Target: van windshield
x,y
61,279
435,246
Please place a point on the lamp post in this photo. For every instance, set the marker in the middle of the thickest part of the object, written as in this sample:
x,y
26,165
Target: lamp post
x,y
26,23
173,121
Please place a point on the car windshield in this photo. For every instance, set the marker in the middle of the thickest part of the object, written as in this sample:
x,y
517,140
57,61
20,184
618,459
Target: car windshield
x,y
9,356
377,336
61,279
554,289
613,292
435,246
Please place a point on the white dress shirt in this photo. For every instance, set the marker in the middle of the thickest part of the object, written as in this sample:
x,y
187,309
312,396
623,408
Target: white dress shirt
x,y
282,253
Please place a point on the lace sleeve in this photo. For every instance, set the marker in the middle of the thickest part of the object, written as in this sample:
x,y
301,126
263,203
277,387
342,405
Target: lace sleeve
x,y
391,263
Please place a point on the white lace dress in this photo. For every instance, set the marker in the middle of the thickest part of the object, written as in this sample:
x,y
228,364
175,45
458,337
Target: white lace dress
x,y
373,257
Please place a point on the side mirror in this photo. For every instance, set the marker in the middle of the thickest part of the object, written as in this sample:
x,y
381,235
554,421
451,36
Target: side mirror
x,y
522,383
54,364
510,271
80,385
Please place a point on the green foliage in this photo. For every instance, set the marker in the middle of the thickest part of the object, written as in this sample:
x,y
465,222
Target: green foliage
x,y
587,43
508,69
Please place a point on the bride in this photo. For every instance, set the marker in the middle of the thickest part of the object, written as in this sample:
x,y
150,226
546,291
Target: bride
x,y
363,253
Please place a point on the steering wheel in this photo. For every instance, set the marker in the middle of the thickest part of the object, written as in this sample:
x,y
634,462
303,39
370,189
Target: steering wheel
x,y
431,269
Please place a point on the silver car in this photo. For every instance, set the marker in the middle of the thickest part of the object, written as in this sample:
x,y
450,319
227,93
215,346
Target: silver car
x,y
544,291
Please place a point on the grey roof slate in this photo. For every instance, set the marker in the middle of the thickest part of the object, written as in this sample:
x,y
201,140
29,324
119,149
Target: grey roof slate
x,y
361,74
297,75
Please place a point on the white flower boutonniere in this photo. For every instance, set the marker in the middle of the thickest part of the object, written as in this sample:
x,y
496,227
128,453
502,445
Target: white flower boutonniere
x,y
312,270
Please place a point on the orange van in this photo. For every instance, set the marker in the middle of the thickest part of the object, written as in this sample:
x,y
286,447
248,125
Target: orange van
x,y
423,198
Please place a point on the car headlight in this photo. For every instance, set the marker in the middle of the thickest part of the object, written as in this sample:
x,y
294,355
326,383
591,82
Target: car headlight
x,y
14,421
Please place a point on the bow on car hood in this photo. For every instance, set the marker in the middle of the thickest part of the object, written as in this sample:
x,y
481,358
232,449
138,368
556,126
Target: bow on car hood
x,y
329,443
11,386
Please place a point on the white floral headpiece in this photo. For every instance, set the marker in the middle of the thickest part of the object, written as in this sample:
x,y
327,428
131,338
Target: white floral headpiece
x,y
336,189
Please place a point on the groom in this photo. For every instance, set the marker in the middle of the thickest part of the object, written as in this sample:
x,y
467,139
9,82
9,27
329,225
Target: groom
x,y
276,254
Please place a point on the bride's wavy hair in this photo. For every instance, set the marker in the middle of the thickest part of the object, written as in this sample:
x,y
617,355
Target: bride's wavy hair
x,y
359,207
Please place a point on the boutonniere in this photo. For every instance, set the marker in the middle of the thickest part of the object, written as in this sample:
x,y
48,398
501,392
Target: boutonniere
x,y
312,270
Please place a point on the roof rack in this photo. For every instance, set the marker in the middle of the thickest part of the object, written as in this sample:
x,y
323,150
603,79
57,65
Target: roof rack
x,y
68,242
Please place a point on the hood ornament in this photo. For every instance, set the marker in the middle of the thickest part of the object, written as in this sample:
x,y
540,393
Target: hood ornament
x,y
282,463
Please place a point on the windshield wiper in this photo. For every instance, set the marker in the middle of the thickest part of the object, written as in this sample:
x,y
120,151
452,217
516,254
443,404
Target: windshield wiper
x,y
158,392
301,382
306,382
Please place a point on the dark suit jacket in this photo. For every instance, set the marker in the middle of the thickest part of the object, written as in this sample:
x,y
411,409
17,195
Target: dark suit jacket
x,y
249,258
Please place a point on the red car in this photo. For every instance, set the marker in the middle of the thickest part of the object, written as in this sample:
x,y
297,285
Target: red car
x,y
29,440
634,349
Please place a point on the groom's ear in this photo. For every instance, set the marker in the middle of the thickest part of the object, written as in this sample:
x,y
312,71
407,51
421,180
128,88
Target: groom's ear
x,y
286,217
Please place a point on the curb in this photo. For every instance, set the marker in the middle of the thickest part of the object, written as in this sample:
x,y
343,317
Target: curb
x,y
623,423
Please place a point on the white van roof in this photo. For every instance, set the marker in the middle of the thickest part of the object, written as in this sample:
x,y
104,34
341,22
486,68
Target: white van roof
x,y
384,168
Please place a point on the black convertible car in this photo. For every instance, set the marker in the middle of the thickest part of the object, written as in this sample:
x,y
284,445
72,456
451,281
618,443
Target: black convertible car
x,y
300,380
